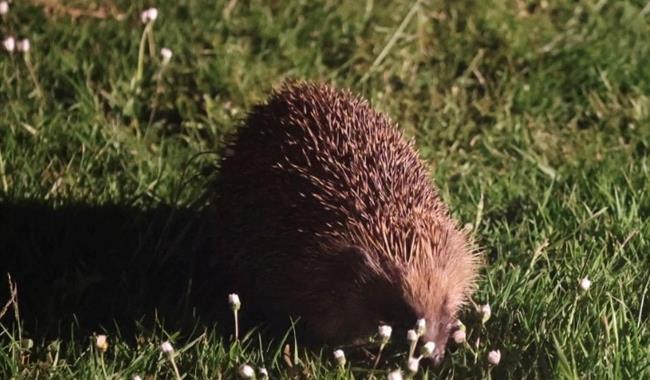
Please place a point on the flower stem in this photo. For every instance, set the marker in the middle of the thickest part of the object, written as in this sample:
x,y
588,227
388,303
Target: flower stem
x,y
236,325
32,74
374,366
140,69
176,372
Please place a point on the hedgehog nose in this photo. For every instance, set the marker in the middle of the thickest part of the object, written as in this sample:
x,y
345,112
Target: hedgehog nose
x,y
434,360
439,352
437,358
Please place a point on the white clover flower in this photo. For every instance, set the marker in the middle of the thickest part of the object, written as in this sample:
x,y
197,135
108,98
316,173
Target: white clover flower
x,y
9,44
23,45
585,283
486,312
137,377
149,15
233,300
4,8
395,375
339,356
264,374
411,336
459,336
385,332
246,372
167,348
166,55
101,342
420,326
153,14
413,365
494,357
427,349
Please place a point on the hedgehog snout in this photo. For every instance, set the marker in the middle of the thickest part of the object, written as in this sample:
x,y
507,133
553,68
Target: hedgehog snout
x,y
435,360
438,353
439,334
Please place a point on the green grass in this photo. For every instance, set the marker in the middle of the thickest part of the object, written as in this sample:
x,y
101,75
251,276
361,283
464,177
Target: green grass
x,y
533,115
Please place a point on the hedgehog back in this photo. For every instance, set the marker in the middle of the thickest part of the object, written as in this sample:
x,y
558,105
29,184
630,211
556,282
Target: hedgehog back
x,y
312,170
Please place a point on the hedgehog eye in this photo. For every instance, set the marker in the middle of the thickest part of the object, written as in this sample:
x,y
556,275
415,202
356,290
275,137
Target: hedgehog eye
x,y
449,325
445,308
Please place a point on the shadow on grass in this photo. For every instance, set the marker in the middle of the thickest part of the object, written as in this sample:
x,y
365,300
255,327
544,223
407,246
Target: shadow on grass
x,y
85,268
107,268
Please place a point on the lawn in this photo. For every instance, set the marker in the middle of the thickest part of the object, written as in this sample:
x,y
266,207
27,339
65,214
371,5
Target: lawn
x,y
534,117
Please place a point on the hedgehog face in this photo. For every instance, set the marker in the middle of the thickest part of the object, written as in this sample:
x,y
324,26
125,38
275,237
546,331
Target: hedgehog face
x,y
439,326
436,284
378,288
381,300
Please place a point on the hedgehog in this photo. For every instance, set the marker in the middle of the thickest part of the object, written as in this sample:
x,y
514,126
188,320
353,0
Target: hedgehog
x,y
328,216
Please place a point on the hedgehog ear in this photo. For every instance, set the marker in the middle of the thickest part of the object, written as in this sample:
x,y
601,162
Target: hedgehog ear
x,y
383,296
348,271
350,265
